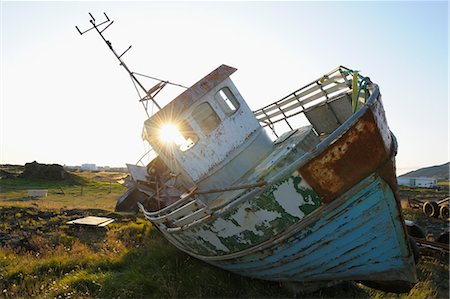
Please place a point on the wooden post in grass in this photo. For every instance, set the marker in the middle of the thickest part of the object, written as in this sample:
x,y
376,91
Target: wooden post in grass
x,y
110,186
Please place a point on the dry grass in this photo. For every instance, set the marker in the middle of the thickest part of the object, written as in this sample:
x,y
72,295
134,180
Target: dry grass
x,y
47,258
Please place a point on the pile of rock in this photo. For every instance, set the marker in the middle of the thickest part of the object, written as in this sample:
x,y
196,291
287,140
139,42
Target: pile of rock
x,y
44,171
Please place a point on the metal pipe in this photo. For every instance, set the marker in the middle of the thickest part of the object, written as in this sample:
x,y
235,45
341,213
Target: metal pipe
x,y
232,188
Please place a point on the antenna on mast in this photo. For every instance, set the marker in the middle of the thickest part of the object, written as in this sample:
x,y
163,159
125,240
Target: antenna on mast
x,y
150,93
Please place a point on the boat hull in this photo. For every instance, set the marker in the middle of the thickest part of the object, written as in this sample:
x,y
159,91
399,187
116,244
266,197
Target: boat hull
x,y
357,237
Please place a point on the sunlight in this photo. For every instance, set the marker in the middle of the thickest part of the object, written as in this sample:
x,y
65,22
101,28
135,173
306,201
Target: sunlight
x,y
169,133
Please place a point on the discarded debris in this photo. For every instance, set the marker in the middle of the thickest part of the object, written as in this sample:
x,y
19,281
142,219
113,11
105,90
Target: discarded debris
x,y
37,193
431,208
92,221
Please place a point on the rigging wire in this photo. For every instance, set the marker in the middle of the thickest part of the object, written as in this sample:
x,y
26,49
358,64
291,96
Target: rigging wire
x,y
167,82
139,95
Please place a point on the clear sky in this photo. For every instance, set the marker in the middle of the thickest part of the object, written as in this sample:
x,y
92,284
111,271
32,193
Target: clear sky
x,y
65,99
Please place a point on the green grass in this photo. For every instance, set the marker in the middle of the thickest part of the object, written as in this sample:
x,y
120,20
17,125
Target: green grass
x,y
78,191
131,259
150,268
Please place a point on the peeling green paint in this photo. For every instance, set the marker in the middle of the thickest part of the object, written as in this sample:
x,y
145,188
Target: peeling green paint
x,y
256,220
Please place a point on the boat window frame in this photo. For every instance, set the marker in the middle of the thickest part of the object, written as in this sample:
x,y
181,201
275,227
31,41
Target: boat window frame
x,y
213,117
188,133
223,104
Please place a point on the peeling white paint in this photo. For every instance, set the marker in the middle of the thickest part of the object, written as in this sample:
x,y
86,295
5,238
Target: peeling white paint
x,y
212,238
247,220
289,199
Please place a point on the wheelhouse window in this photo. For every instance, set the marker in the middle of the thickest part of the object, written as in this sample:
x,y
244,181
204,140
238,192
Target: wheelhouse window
x,y
206,117
180,135
227,101
190,138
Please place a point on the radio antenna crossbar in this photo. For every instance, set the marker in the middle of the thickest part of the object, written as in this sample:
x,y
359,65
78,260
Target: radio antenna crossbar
x,y
149,94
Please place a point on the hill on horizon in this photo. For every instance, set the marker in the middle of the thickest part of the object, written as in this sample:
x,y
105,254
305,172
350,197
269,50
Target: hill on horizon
x,y
440,172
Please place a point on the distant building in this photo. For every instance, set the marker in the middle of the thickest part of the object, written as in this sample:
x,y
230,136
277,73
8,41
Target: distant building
x,y
90,167
417,182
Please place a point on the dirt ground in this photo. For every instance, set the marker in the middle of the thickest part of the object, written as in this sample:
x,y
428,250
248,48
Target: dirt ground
x,y
20,227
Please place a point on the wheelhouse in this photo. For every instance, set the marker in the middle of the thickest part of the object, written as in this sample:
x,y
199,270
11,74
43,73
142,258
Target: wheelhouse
x,y
208,137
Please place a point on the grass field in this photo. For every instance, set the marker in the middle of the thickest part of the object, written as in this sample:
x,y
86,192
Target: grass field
x,y
443,183
81,190
42,256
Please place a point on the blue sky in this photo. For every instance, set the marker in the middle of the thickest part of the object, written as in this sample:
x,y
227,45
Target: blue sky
x,y
65,99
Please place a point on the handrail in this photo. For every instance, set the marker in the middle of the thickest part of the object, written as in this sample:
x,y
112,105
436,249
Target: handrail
x,y
327,88
145,154
184,202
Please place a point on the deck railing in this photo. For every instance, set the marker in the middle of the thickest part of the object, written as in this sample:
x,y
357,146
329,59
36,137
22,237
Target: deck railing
x,y
330,86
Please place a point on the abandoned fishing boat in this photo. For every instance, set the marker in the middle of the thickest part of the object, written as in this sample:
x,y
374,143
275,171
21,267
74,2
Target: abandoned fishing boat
x,y
316,202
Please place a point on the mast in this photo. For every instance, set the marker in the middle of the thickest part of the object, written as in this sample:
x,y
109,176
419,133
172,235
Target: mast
x,y
150,93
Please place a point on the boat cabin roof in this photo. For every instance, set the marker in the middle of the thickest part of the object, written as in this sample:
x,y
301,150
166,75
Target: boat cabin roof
x,y
191,95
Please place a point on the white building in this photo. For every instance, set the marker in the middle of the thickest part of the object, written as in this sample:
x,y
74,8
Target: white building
x,y
90,167
417,182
